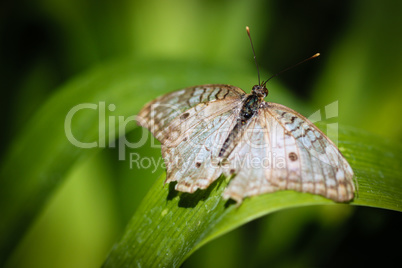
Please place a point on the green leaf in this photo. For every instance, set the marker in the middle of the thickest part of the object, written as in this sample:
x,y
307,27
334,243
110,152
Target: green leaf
x,y
169,226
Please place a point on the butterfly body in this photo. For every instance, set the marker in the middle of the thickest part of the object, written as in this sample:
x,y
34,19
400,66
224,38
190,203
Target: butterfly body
x,y
250,105
209,130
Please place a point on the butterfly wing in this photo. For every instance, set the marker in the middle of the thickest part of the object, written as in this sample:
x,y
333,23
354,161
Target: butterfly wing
x,y
192,124
289,153
250,163
159,113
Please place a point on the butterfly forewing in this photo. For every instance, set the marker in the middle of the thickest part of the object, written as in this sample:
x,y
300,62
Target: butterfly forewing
x,y
325,170
157,114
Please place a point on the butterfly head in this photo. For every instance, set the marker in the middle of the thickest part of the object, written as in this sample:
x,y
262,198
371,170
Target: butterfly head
x,y
260,90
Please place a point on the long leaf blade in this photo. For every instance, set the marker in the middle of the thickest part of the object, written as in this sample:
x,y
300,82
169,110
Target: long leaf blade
x,y
169,226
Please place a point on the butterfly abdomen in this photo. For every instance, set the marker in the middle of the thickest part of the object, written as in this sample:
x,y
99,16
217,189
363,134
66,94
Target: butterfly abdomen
x,y
249,107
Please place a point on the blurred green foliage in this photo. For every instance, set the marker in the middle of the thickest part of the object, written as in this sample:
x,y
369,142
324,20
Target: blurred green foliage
x,y
45,45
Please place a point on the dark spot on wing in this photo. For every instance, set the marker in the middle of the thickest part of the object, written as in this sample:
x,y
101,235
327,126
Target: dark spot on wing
x,y
198,164
184,116
293,156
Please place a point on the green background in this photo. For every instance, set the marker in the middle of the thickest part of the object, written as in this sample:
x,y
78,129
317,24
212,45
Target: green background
x,y
57,54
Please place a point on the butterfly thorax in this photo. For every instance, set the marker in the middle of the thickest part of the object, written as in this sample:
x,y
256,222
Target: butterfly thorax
x,y
250,105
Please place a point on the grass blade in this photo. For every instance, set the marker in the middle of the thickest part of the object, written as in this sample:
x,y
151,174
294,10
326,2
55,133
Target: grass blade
x,y
169,226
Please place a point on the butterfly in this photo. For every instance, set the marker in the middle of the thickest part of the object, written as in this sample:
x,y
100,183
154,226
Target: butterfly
x,y
209,130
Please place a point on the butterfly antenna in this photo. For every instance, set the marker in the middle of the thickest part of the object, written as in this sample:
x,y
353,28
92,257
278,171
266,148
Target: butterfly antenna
x,y
255,59
291,67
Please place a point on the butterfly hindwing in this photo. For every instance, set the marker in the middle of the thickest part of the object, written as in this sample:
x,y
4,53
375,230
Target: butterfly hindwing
x,y
250,162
